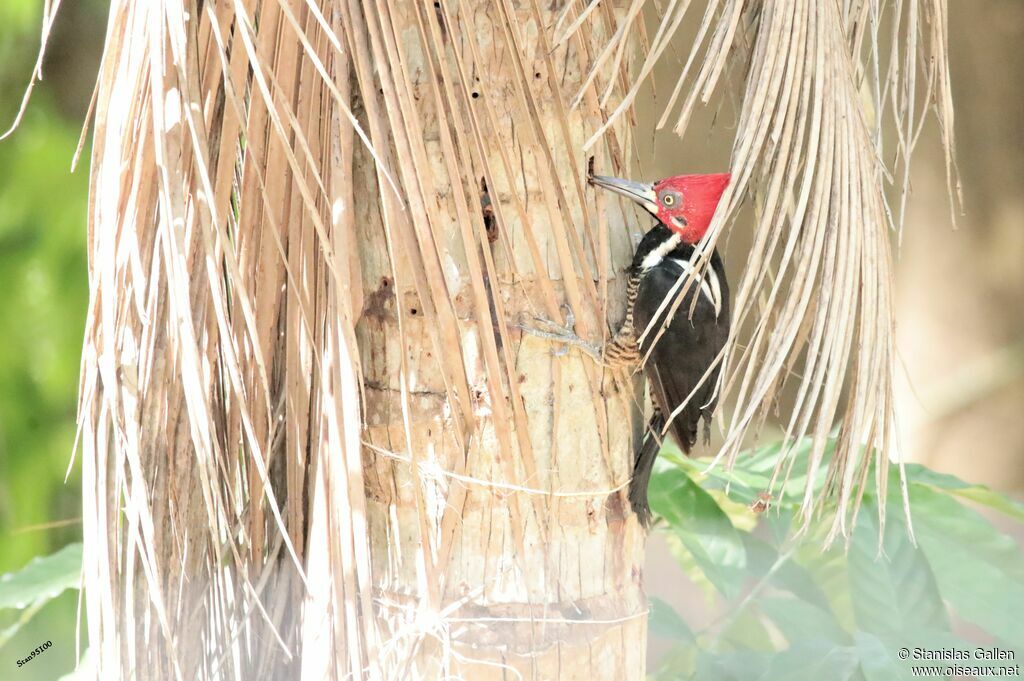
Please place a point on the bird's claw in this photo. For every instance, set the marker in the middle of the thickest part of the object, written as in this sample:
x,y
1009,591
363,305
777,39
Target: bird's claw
x,y
564,335
567,330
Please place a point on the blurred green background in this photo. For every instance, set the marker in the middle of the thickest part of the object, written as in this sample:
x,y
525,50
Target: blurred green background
x,y
44,289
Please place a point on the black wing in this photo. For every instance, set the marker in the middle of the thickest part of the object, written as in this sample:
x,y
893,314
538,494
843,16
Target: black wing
x,y
688,346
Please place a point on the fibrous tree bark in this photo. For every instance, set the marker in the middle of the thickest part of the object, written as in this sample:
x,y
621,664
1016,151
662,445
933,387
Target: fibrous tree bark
x,y
496,468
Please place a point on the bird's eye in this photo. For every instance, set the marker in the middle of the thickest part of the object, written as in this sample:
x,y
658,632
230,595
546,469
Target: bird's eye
x,y
670,199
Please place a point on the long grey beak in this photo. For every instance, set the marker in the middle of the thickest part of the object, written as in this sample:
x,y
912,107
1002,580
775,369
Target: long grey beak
x,y
636,191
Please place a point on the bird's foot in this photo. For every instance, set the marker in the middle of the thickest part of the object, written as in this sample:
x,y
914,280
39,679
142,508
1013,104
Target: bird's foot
x,y
564,335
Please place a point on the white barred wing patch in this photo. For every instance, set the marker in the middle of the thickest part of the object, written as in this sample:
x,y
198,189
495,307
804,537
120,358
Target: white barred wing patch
x,y
709,284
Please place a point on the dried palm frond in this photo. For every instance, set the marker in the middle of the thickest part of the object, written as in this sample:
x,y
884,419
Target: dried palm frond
x,y
221,366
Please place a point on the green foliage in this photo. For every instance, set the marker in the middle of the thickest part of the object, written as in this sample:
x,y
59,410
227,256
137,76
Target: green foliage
x,y
787,609
666,622
43,276
703,528
43,270
896,592
40,581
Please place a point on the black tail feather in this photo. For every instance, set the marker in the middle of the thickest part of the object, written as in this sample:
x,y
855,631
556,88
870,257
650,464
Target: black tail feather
x,y
642,468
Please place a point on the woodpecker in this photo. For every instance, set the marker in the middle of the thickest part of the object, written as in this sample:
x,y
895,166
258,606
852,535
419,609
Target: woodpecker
x,y
683,365
684,358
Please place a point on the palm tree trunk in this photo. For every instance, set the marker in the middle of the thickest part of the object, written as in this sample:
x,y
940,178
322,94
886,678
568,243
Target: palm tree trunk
x,y
504,456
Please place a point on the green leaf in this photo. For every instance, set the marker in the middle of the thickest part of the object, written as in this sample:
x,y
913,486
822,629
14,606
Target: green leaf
x,y
779,522
829,571
761,460
678,663
747,631
86,669
7,633
879,660
752,473
42,578
921,475
703,527
979,570
894,593
741,485
689,566
664,621
808,661
738,666
813,661
800,621
992,499
762,558
880,655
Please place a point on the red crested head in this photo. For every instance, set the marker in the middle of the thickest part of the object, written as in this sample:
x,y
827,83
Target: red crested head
x,y
684,203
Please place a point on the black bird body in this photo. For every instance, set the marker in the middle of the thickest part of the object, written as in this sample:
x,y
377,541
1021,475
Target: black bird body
x,y
682,354
680,357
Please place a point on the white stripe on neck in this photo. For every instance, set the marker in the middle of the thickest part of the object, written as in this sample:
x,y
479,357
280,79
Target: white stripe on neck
x,y
712,292
654,258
